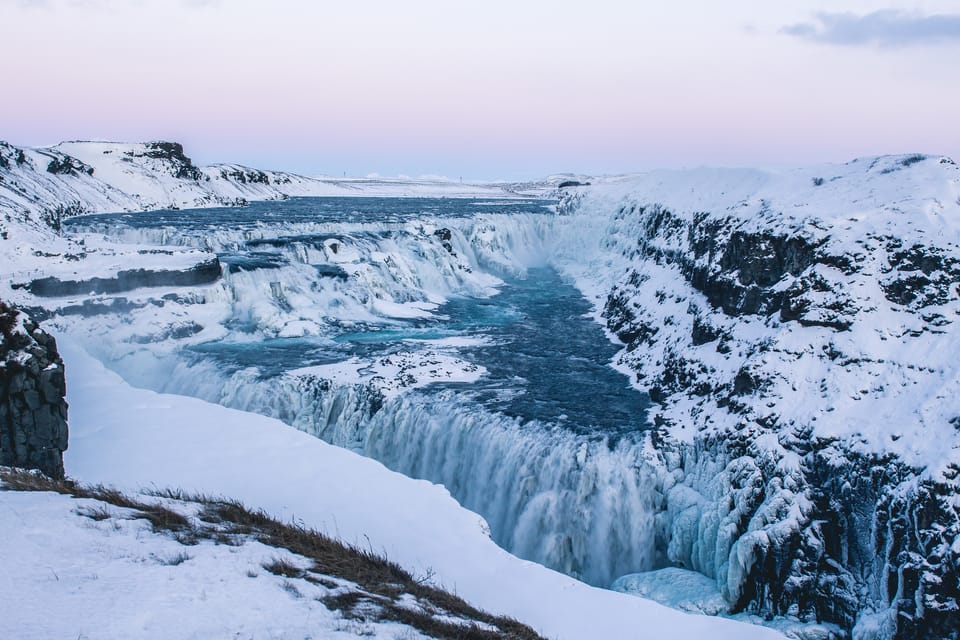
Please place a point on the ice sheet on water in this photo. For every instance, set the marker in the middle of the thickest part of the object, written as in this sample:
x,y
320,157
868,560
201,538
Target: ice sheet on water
x,y
681,589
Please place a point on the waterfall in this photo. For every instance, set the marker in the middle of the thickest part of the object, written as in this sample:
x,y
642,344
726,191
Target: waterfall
x,y
581,504
577,504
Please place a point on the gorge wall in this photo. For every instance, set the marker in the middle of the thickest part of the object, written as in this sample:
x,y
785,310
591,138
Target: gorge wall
x,y
795,334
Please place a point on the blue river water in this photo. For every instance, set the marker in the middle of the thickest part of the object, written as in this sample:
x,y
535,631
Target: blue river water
x,y
546,359
316,210
546,445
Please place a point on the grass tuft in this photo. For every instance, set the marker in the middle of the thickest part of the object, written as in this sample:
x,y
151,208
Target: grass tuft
x,y
291,588
98,514
282,567
175,560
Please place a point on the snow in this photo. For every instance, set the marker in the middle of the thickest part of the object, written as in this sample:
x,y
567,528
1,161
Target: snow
x,y
677,588
69,576
398,372
132,438
92,256
693,592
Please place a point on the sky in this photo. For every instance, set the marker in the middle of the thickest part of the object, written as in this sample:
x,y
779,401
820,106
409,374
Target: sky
x,y
487,90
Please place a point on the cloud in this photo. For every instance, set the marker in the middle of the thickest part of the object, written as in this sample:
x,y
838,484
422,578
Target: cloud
x,y
25,4
888,28
49,4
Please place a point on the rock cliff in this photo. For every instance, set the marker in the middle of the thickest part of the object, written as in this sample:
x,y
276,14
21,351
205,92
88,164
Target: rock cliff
x,y
799,336
33,408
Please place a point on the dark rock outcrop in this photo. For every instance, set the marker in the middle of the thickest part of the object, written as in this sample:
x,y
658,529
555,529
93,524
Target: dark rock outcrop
x,y
65,165
33,408
445,236
245,176
11,154
736,270
919,276
203,273
331,271
172,152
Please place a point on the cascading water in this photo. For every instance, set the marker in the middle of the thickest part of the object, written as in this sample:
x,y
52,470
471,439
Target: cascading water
x,y
565,501
547,446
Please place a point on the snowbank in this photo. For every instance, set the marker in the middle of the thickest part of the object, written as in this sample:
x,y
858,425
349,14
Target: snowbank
x,y
76,572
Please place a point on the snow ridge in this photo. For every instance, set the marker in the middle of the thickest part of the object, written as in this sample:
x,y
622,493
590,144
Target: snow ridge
x,y
168,548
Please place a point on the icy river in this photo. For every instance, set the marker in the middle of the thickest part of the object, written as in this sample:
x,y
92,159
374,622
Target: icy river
x,y
501,385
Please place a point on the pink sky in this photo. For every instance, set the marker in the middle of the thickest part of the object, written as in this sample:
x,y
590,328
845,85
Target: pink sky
x,y
482,90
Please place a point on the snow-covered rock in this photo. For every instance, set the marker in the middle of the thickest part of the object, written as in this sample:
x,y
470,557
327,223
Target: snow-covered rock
x,y
33,409
799,333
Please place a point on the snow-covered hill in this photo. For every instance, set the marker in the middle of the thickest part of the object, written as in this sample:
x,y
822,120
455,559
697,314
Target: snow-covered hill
x,y
45,185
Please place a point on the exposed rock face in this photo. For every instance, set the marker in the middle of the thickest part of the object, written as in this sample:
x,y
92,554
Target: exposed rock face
x,y
180,166
816,529
444,236
65,165
245,176
127,280
33,409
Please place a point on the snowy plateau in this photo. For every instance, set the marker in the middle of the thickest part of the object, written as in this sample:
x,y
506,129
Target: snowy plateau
x,y
785,450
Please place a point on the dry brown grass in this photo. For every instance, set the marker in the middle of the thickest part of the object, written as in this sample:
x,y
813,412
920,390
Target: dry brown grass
x,y
381,581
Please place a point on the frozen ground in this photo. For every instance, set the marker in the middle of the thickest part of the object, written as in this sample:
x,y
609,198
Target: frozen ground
x,y
87,570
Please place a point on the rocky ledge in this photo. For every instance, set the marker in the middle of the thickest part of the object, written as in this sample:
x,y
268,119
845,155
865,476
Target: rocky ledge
x,y
205,272
33,407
